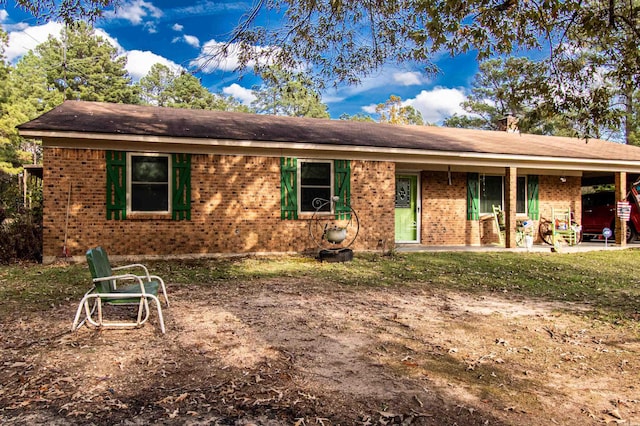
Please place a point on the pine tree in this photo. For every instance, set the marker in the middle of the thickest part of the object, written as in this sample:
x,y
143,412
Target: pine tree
x,y
85,66
163,87
287,93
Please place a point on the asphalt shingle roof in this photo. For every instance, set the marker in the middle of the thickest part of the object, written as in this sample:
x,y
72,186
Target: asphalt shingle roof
x,y
105,118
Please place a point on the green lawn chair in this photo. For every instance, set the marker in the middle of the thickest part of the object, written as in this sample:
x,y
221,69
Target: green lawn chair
x,y
137,290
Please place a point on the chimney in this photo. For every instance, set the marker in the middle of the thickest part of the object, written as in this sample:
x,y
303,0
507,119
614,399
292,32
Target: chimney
x,y
508,124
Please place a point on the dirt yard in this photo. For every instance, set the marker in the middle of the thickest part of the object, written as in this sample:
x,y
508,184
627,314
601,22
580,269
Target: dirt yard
x,y
300,352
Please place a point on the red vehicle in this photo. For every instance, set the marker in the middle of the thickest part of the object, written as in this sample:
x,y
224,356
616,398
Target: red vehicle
x,y
599,212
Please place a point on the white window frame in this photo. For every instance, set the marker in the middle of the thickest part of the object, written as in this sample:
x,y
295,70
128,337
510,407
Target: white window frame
x,y
130,183
331,186
526,197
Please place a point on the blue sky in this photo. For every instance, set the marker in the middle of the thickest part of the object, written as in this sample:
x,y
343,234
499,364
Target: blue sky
x,y
177,33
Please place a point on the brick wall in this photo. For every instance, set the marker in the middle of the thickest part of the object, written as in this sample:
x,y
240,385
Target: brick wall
x,y
444,208
560,195
444,211
235,209
373,198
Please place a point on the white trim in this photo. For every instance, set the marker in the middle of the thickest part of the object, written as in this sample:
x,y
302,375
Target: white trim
x,y
416,157
129,164
418,210
299,189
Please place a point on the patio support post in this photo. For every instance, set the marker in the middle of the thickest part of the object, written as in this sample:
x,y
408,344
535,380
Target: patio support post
x,y
510,197
621,194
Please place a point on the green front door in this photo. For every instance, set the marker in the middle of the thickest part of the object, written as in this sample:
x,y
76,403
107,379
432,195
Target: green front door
x,y
406,208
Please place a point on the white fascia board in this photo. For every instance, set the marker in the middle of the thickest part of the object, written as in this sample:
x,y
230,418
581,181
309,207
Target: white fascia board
x,y
417,157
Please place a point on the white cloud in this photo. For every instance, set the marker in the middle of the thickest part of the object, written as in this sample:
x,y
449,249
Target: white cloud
x,y
370,109
332,97
150,27
435,105
136,11
210,59
189,39
23,40
240,93
140,62
438,103
386,77
177,27
3,15
18,26
192,40
408,78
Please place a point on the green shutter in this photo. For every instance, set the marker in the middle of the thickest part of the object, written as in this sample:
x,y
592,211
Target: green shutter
x,y
342,186
181,196
288,188
473,201
116,185
532,197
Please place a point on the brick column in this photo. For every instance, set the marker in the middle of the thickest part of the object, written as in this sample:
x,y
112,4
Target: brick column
x,y
621,194
510,198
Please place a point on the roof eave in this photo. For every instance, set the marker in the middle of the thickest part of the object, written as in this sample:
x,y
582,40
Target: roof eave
x,y
152,143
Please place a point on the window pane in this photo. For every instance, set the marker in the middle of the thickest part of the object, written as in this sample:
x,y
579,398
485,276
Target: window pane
x,y
521,195
490,193
149,197
309,194
149,169
315,174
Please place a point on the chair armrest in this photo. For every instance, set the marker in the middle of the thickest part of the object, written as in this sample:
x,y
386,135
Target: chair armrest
x,y
122,277
131,266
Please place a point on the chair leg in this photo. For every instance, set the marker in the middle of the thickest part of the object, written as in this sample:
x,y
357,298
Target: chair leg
x,y
160,317
143,307
158,306
164,289
76,324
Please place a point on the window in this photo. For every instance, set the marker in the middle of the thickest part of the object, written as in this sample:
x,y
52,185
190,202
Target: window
x,y
149,186
301,181
492,193
315,182
148,183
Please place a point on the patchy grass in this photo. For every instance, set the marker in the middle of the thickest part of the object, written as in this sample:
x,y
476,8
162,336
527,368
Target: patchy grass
x,y
606,280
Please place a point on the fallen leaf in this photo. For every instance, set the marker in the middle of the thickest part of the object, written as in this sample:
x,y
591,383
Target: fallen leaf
x,y
615,413
182,397
418,401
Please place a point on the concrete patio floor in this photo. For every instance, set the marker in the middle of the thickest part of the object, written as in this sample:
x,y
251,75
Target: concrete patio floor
x,y
586,246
